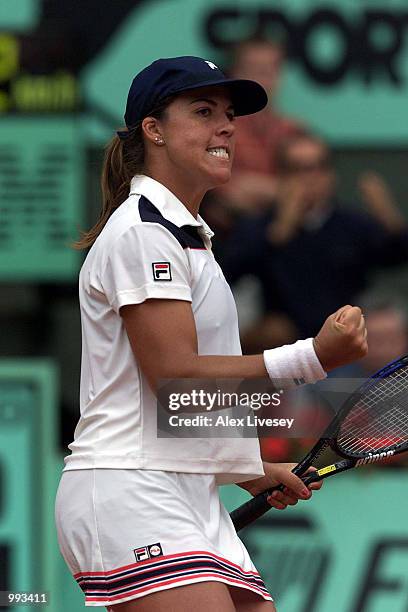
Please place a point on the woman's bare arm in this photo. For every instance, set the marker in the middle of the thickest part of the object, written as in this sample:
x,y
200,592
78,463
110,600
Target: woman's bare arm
x,y
163,338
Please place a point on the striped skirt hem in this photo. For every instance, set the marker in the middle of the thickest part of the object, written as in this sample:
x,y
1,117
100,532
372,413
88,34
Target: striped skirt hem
x,y
150,576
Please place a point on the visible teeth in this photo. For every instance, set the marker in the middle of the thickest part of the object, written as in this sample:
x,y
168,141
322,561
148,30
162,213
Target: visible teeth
x,y
219,152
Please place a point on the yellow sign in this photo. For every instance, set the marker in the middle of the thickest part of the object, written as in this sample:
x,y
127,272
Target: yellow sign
x,y
21,92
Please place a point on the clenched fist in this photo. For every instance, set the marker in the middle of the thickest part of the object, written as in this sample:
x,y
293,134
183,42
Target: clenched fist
x,y
342,339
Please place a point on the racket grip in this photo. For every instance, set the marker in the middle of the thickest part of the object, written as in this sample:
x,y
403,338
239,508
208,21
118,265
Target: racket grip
x,y
257,506
311,477
253,509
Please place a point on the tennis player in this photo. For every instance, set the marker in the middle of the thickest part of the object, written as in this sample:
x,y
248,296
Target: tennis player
x,y
138,515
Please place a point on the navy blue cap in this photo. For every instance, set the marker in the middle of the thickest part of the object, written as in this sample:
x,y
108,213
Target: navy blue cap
x,y
170,76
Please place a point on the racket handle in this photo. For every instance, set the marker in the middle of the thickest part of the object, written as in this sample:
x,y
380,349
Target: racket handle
x,y
257,506
311,477
253,509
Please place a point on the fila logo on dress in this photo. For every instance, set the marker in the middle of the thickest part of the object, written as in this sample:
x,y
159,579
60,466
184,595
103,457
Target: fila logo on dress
x,y
161,271
148,552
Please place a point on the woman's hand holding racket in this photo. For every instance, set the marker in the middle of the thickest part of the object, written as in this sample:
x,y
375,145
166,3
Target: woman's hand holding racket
x,y
289,488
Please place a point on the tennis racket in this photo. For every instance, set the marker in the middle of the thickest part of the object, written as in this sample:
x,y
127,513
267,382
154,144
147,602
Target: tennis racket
x,y
371,425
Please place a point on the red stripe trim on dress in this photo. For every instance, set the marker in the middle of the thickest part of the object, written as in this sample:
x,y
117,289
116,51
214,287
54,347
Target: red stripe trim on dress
x,y
158,562
168,567
171,564
174,580
182,572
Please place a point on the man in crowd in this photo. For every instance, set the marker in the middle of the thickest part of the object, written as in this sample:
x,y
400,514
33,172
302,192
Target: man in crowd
x,y
311,254
387,327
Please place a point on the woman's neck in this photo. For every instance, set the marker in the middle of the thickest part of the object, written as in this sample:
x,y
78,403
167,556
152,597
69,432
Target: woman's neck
x,y
188,195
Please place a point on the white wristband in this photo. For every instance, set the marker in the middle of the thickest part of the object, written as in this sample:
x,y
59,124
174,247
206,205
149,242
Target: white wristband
x,y
294,364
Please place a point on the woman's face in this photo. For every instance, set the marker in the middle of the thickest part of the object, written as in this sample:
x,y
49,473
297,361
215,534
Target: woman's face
x,y
198,129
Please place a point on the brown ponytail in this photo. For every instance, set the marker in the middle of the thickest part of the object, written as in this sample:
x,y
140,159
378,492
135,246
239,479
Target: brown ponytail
x,y
123,159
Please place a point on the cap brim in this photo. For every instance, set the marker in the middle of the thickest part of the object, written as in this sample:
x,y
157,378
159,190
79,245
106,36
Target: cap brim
x,y
247,96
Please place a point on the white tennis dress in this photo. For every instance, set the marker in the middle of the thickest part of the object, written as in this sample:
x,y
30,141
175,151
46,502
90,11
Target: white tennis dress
x,y
137,513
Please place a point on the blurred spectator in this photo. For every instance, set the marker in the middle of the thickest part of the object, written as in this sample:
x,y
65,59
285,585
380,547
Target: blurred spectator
x,y
311,254
253,183
387,327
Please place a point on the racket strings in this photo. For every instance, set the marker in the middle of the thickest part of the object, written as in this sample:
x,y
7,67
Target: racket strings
x,y
379,419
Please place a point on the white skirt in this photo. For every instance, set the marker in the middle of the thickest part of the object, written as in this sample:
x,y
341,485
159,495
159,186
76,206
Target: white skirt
x,y
127,533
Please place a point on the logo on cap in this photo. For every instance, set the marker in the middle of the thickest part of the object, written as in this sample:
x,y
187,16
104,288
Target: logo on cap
x,y
211,65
